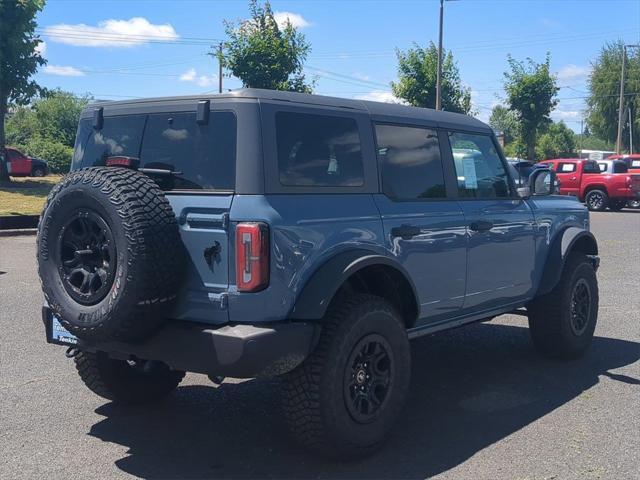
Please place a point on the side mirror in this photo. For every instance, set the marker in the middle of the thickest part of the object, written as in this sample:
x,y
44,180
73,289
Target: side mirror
x,y
542,182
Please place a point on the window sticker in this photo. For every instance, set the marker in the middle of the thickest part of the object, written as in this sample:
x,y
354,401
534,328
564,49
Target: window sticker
x,y
470,177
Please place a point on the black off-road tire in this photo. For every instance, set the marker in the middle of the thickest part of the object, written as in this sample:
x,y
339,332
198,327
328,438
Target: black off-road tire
x,y
597,200
133,225
317,395
555,330
38,172
118,381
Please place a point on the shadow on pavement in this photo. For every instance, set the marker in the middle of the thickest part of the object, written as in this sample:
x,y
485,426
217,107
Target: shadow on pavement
x,y
471,387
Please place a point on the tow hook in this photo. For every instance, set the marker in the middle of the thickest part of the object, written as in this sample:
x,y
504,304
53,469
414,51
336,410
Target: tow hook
x,y
71,352
217,379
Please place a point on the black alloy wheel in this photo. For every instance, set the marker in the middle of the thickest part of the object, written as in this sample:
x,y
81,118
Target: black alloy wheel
x,y
368,378
88,257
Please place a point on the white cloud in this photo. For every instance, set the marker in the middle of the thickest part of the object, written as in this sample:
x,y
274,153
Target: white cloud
x,y
296,19
566,114
191,75
361,76
111,33
42,48
63,71
573,72
380,96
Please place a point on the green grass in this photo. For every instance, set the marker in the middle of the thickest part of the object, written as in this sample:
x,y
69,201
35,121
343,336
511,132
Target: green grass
x,y
25,195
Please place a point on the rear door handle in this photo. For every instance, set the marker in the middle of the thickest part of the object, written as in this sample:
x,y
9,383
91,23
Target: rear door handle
x,y
405,231
481,226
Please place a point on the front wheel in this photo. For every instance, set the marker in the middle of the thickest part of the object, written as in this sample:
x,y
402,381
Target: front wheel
x,y
129,382
38,172
597,200
344,399
633,204
563,321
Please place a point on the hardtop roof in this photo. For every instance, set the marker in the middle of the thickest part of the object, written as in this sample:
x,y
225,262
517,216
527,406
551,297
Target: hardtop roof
x,y
373,108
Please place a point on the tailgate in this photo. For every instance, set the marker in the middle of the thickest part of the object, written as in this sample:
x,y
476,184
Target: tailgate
x,y
203,222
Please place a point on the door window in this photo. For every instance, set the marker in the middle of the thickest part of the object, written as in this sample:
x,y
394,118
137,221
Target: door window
x,y
479,168
410,162
318,150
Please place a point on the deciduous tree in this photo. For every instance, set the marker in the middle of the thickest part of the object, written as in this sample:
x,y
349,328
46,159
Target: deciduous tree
x,y
531,93
19,59
264,55
604,91
417,72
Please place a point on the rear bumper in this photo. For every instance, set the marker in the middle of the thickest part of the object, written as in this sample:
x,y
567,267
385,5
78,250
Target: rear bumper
x,y
241,351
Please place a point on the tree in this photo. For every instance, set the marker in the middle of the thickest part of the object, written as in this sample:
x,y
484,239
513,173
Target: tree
x,y
557,141
19,60
263,55
47,128
55,115
417,72
531,94
604,91
506,121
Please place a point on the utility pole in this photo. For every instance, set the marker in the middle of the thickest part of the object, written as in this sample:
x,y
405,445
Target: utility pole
x,y
630,131
220,67
439,74
621,102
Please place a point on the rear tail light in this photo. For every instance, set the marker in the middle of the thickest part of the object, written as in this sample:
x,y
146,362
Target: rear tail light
x,y
252,256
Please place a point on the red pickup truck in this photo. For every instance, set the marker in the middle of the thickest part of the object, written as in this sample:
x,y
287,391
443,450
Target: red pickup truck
x,y
632,161
599,190
21,165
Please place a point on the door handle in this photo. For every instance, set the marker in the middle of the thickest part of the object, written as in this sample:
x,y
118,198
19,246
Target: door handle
x,y
481,226
405,232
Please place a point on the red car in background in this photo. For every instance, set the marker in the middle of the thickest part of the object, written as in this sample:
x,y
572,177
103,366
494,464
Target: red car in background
x,y
21,165
632,161
599,190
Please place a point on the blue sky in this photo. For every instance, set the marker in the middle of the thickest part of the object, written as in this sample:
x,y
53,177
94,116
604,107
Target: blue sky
x,y
138,48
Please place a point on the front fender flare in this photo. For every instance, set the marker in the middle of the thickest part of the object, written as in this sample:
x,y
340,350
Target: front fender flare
x,y
316,295
565,242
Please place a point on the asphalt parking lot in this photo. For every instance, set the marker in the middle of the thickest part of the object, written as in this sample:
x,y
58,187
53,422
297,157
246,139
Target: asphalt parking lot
x,y
483,405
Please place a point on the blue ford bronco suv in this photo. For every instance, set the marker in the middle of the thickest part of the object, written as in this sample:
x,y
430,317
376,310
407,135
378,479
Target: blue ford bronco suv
x,y
265,233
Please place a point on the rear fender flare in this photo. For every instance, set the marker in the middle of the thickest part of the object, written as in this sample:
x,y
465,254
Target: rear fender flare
x,y
564,243
320,289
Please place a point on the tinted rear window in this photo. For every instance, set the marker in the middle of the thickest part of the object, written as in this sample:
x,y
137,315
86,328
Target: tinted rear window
x,y
318,150
204,155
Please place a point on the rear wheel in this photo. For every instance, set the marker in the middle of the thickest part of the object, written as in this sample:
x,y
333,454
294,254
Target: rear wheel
x,y
597,200
563,321
344,399
38,172
126,381
633,204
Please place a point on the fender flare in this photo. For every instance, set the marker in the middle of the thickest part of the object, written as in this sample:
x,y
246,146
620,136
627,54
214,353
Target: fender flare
x,y
563,244
314,299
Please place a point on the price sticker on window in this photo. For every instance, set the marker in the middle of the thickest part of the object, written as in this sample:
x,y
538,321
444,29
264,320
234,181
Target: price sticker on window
x,y
470,177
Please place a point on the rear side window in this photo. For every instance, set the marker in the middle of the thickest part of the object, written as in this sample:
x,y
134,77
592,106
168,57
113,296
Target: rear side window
x,y
410,162
590,167
202,155
479,169
318,150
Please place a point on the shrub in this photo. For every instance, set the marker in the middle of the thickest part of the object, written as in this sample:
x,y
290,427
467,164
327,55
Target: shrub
x,y
55,153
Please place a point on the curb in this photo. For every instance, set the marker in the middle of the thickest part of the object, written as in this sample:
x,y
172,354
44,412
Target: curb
x,y
18,222
18,232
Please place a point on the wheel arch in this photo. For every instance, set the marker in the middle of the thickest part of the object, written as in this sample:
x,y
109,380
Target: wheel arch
x,y
360,271
569,240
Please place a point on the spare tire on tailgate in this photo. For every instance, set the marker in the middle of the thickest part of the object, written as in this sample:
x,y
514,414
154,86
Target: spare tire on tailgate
x,y
109,254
